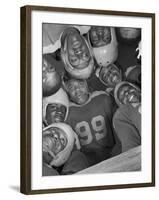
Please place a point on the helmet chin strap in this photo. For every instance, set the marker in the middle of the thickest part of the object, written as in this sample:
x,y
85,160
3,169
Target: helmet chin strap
x,y
50,152
77,143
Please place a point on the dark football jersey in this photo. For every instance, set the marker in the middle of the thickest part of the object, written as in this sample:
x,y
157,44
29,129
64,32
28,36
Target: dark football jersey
x,y
93,124
127,125
127,55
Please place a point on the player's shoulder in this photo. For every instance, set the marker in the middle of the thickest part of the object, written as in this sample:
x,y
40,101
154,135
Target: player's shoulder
x,y
129,110
99,93
96,95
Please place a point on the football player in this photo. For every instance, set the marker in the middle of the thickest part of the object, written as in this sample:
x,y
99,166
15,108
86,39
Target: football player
x,y
133,75
127,125
76,54
90,115
58,144
55,111
127,93
110,76
128,39
103,43
51,80
127,119
55,107
58,141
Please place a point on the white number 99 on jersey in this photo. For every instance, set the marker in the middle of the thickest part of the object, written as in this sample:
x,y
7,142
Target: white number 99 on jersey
x,y
87,130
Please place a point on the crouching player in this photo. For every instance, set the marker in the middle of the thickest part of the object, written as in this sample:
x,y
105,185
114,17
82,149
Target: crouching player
x,y
127,119
90,115
56,138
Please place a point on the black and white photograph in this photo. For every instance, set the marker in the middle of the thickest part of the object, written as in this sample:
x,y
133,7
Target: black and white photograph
x,y
91,82
87,94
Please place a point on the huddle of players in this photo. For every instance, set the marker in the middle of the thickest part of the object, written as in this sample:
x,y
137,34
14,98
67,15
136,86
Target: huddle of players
x,y
83,126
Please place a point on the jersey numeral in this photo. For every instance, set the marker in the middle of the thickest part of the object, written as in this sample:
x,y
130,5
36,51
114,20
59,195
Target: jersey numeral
x,y
83,129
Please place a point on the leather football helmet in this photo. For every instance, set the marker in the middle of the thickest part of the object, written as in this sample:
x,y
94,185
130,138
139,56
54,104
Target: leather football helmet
x,y
58,143
58,104
110,75
127,93
76,54
108,53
